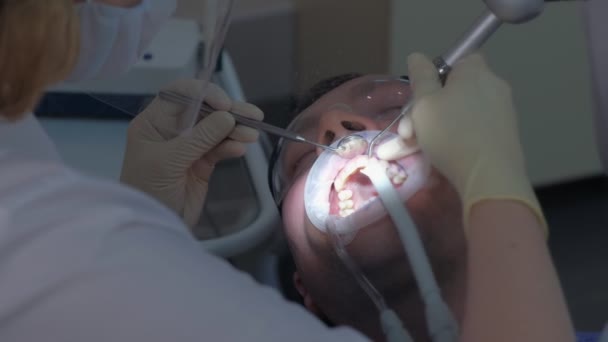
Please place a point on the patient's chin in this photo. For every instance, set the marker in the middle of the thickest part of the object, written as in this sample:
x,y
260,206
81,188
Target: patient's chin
x,y
376,244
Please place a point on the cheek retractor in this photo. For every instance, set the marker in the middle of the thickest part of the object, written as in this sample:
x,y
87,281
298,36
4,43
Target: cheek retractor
x,y
323,174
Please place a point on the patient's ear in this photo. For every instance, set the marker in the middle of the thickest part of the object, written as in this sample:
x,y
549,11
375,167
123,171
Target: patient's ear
x,y
306,298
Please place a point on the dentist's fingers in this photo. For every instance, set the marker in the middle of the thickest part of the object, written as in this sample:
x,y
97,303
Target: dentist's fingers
x,y
406,127
242,133
248,110
423,74
396,149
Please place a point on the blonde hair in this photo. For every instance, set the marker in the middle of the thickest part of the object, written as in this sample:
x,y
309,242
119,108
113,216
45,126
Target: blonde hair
x,y
39,45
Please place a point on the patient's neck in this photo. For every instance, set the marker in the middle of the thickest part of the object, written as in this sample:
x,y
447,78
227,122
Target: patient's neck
x,y
453,290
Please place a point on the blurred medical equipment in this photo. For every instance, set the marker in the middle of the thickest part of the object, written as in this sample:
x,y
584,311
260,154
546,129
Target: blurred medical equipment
x,y
596,30
112,38
174,53
222,12
206,109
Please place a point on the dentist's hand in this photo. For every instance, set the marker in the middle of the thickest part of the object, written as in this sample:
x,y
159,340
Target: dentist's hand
x,y
175,168
469,130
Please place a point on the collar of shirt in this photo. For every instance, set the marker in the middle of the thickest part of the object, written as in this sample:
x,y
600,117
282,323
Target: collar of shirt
x,y
27,138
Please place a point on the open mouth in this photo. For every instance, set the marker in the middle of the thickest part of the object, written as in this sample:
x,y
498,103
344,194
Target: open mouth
x,y
352,190
336,190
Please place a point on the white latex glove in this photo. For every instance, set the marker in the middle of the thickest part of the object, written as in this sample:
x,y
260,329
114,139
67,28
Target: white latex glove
x,y
176,168
469,130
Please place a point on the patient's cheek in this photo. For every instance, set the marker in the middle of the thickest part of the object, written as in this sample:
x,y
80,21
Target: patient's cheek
x,y
293,207
432,182
435,187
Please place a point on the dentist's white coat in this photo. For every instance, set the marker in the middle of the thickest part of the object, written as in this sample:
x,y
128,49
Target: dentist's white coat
x,y
83,259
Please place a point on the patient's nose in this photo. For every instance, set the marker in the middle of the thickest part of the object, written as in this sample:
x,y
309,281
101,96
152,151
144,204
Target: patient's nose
x,y
340,123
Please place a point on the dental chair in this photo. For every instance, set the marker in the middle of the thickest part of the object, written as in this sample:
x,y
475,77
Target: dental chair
x,y
240,217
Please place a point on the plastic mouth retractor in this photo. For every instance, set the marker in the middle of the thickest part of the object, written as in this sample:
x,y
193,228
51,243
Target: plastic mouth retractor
x,y
322,176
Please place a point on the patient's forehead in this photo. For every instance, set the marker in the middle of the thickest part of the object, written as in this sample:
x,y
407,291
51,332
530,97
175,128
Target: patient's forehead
x,y
351,90
356,94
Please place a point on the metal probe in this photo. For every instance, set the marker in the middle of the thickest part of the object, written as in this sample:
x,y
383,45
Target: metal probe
x,y
245,121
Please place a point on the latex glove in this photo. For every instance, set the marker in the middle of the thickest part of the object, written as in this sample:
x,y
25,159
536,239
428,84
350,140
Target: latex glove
x,y
469,130
175,168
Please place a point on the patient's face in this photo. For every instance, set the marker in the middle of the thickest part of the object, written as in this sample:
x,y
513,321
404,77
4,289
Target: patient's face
x,y
359,105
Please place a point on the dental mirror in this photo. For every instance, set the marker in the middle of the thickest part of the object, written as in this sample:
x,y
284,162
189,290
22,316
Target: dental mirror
x,y
351,146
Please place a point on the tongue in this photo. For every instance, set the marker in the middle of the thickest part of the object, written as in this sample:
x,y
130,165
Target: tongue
x,y
361,187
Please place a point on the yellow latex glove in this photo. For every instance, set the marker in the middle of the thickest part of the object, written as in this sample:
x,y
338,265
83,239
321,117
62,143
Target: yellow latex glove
x,y
469,130
175,168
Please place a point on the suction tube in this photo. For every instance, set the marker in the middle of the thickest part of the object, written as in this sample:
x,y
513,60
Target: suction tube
x,y
442,324
391,323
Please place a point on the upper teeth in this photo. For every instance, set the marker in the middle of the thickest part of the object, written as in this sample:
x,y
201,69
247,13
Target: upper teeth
x,y
345,195
353,166
346,203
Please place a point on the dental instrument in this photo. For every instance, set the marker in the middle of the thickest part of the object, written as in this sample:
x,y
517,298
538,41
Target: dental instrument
x,y
351,146
440,320
497,12
391,324
262,126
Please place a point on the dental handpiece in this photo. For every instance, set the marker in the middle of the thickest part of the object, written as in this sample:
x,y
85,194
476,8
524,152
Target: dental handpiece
x,y
498,12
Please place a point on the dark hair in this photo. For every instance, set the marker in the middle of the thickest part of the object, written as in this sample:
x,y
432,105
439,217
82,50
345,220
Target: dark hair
x,y
319,89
